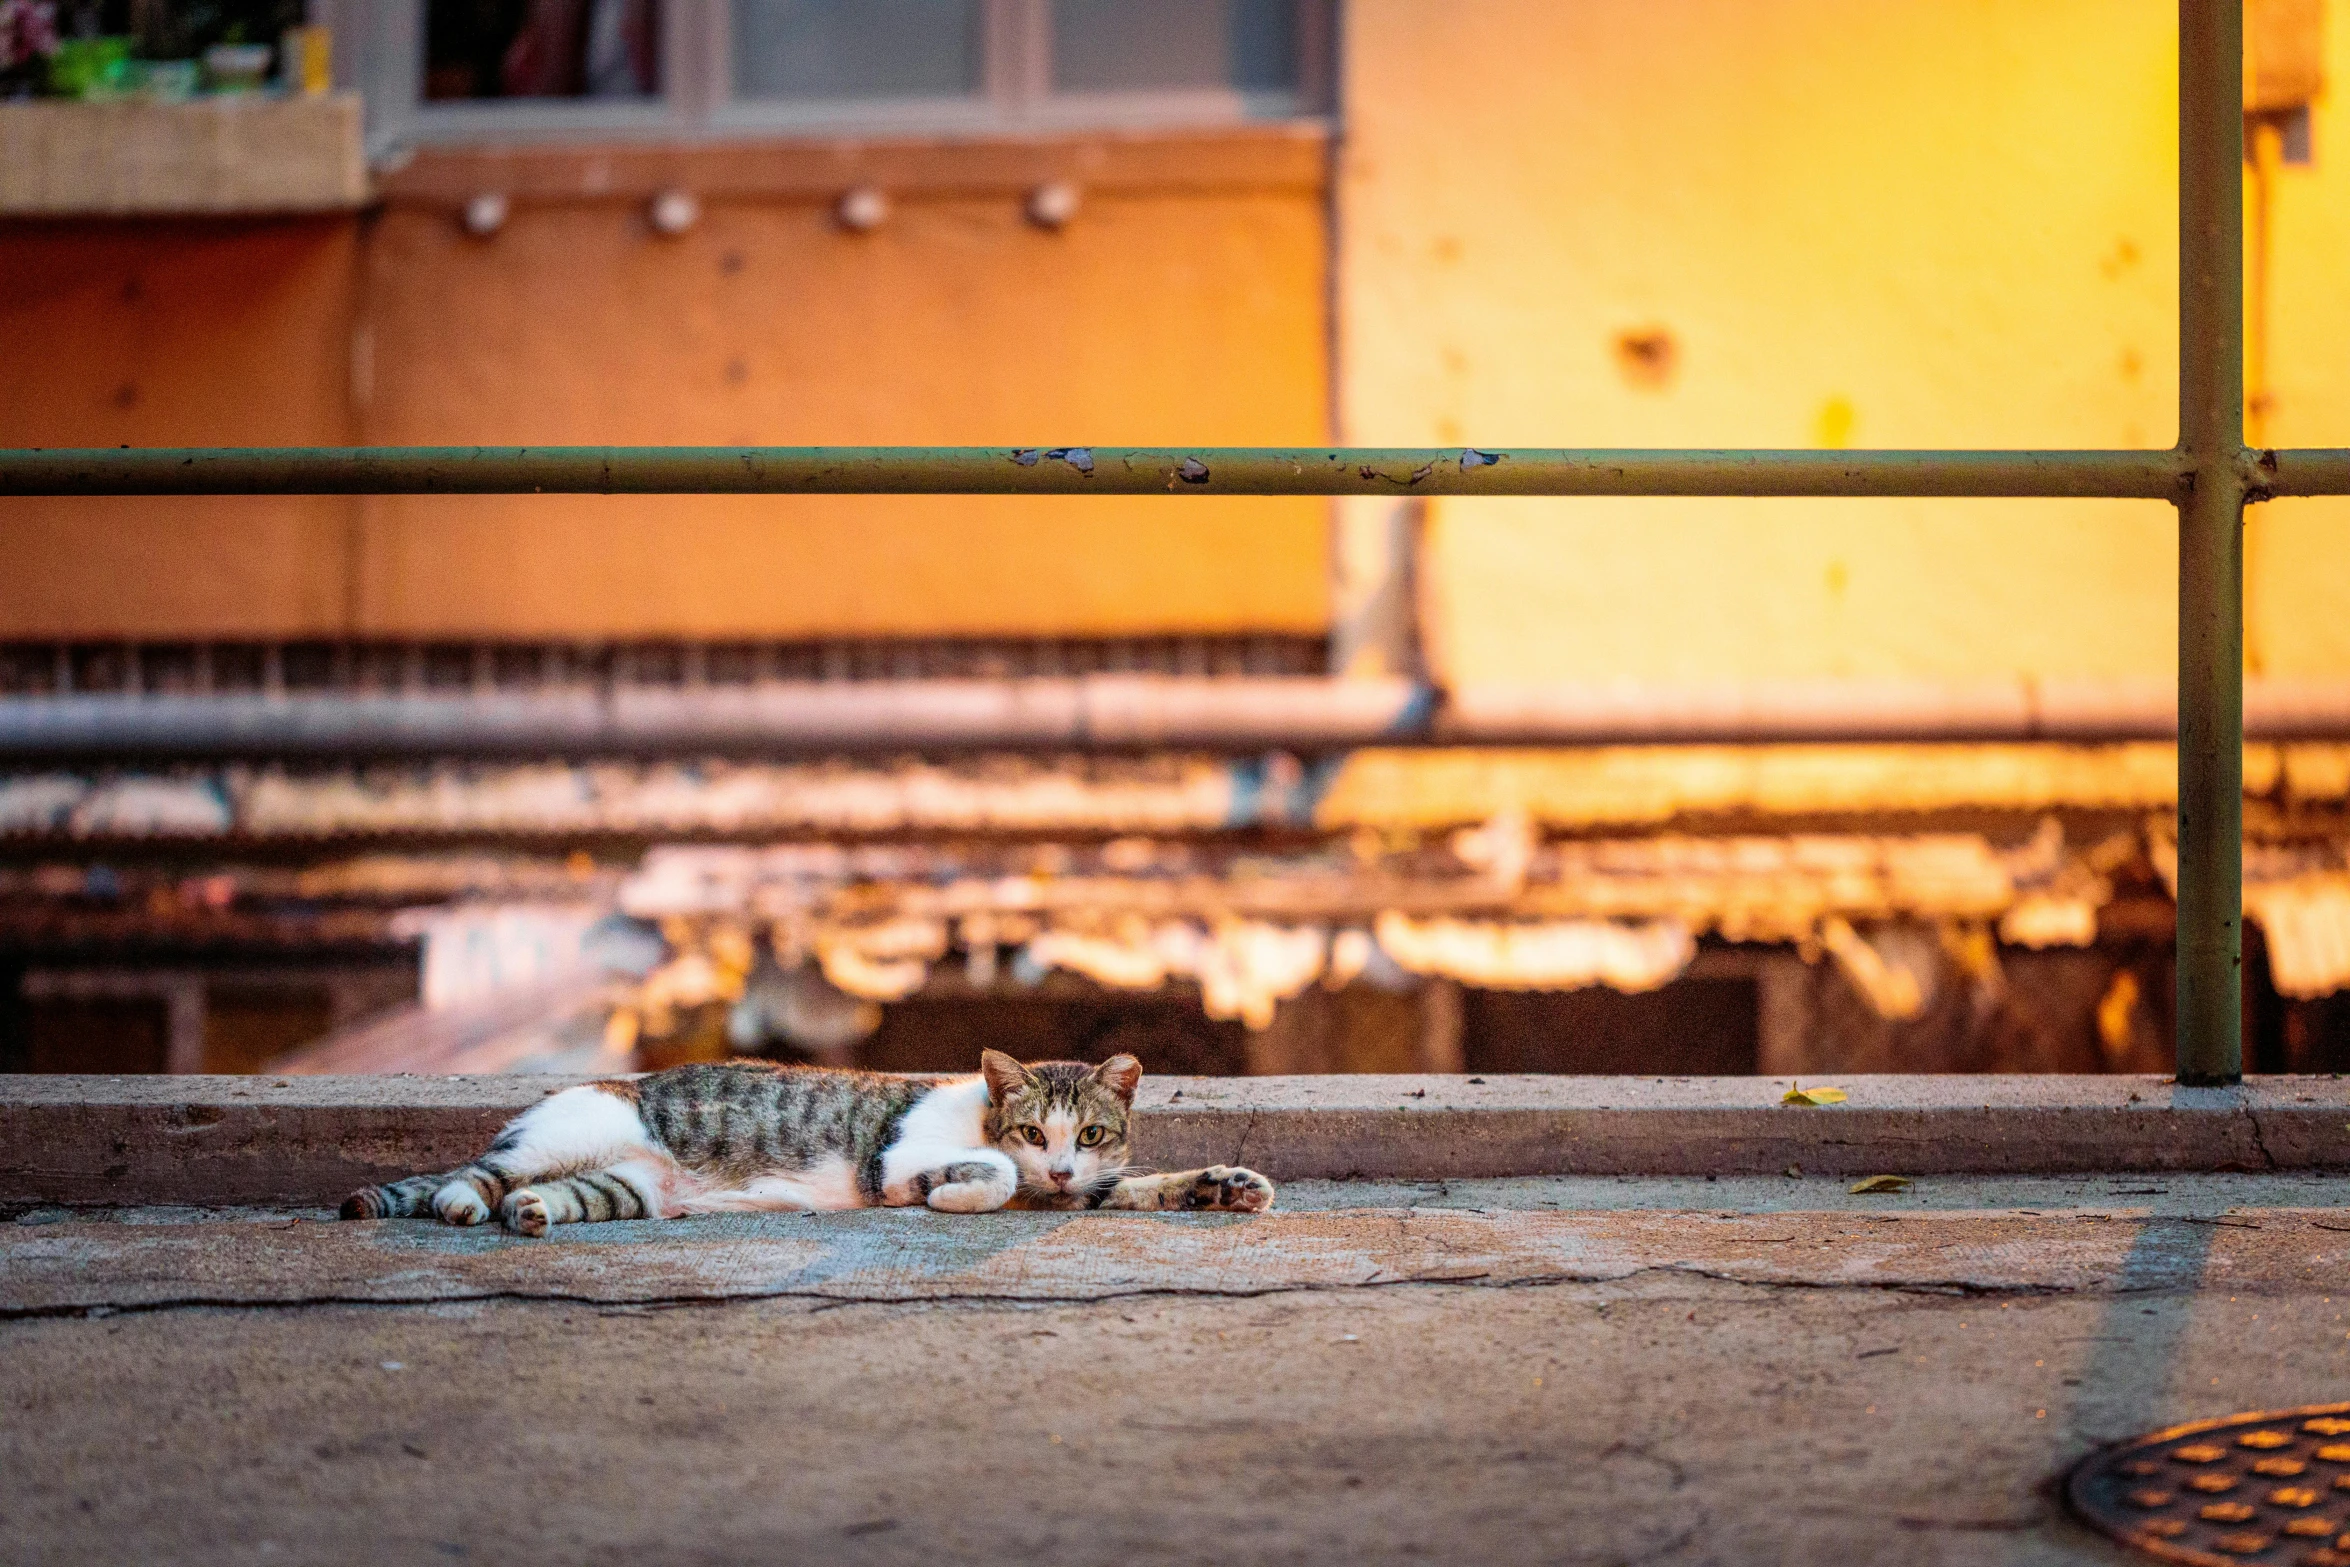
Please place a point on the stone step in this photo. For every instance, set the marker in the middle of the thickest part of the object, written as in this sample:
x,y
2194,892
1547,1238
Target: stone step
x,y
310,1140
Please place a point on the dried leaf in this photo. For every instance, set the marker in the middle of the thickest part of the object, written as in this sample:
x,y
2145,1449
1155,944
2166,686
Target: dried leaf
x,y
1814,1096
1881,1183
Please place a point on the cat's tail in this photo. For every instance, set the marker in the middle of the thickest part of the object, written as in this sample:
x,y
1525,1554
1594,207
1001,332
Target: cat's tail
x,y
408,1198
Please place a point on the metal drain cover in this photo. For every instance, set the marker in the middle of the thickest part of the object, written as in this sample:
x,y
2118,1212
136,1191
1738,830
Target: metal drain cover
x,y
2250,1488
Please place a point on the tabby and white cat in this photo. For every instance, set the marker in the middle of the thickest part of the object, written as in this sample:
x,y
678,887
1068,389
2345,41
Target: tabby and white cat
x,y
745,1137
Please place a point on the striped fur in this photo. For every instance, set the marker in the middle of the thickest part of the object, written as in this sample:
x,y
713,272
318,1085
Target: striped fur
x,y
592,1198
745,1136
1220,1188
408,1198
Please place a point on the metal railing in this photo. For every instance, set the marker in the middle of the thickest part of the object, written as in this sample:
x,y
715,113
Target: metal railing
x,y
2209,476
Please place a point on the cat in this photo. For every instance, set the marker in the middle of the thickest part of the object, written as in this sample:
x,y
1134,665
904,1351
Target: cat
x,y
738,1137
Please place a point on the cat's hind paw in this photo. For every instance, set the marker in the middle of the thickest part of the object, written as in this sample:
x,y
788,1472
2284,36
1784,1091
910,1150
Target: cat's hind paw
x,y
1227,1188
525,1213
459,1203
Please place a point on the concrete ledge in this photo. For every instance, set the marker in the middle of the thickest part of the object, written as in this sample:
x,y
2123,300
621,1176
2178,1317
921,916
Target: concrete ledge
x,y
64,1268
310,1140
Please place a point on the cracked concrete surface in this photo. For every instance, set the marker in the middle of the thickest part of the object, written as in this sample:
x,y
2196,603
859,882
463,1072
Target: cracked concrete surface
x,y
1537,1370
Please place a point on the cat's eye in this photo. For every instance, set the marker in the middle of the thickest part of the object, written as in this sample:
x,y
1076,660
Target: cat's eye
x,y
1034,1134
1092,1136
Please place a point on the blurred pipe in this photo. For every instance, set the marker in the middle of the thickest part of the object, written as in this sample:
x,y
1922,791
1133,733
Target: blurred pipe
x,y
1099,710
1837,709
1126,712
1374,597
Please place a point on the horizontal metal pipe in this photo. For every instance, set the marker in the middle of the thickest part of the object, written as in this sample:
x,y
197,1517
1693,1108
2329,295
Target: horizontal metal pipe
x,y
1118,711
1109,711
2309,471
1860,709
1100,470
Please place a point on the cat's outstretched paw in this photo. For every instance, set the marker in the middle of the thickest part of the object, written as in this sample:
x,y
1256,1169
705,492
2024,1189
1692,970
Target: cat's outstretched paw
x,y
525,1213
1227,1188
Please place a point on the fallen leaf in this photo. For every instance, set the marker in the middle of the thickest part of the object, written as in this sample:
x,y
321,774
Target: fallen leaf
x,y
1814,1096
1881,1183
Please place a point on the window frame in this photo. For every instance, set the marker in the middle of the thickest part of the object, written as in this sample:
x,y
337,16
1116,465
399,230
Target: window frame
x,y
383,50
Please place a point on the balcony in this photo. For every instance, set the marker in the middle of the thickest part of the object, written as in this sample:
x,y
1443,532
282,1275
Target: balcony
x,y
223,155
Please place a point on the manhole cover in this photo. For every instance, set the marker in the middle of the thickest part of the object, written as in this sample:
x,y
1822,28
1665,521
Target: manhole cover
x,y
2265,1488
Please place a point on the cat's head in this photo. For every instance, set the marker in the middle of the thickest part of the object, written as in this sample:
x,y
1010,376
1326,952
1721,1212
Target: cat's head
x,y
1063,1122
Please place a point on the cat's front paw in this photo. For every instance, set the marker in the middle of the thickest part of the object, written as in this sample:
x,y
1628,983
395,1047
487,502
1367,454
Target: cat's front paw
x,y
1227,1188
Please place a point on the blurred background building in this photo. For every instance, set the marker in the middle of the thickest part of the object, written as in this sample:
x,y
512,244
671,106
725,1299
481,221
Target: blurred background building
x,y
472,783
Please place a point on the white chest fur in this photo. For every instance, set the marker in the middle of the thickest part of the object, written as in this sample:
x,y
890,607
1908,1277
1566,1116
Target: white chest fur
x,y
945,1127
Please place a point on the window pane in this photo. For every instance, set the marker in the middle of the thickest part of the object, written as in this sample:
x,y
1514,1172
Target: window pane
x,y
1131,45
856,48
542,49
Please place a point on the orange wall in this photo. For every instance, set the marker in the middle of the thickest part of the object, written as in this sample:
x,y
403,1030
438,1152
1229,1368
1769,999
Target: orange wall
x,y
1151,319
1184,312
175,333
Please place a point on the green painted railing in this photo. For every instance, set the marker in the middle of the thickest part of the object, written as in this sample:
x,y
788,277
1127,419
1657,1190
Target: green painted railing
x,y
1079,470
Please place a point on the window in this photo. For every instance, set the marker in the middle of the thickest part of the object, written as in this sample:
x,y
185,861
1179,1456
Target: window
x,y
1120,45
824,50
443,70
475,49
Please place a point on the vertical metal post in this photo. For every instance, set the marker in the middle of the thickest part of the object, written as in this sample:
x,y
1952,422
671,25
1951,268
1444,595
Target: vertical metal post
x,y
2211,541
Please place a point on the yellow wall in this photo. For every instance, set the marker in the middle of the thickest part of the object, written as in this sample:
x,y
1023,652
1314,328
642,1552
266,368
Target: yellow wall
x,y
1933,223
2297,553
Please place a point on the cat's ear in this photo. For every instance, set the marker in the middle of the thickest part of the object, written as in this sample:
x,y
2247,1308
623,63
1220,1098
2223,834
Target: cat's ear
x,y
1004,1075
1119,1074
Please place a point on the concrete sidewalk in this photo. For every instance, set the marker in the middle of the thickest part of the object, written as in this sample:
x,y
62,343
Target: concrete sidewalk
x,y
1553,1369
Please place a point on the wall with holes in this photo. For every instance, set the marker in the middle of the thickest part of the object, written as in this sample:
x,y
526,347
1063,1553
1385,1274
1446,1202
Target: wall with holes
x,y
175,333
1183,301
2297,553
1810,223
